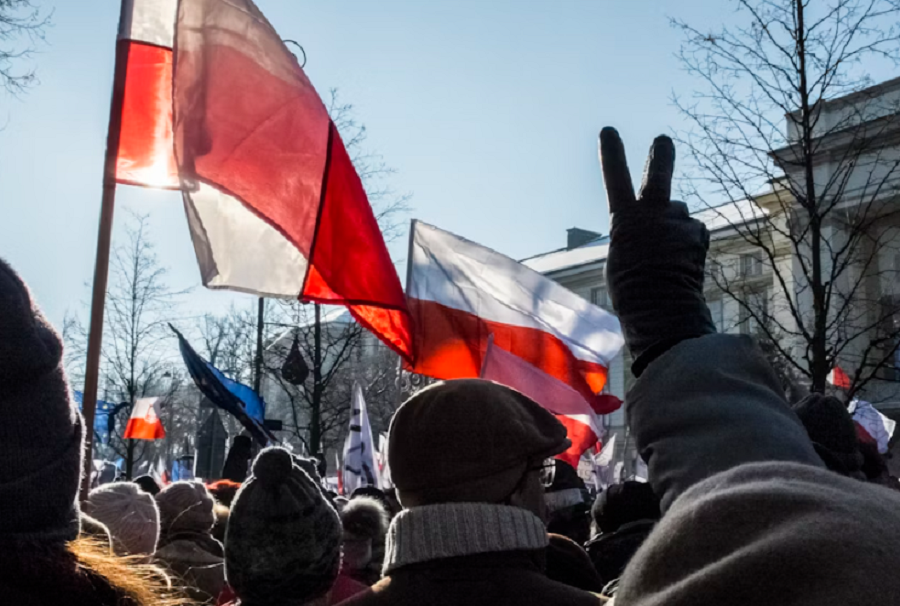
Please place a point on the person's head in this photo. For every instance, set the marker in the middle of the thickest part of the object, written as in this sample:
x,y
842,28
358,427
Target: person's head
x,y
224,491
41,432
148,485
471,440
624,503
568,509
130,515
185,507
365,521
832,432
283,543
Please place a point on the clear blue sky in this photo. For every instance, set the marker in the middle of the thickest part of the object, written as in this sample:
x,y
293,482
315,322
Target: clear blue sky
x,y
488,109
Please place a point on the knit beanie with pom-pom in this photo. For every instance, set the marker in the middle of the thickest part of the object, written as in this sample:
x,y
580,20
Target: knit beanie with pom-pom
x,y
41,432
185,507
283,543
130,514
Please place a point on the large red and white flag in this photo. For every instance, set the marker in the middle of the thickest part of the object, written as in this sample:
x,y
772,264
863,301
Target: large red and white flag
x,y
460,294
145,423
144,81
583,428
274,204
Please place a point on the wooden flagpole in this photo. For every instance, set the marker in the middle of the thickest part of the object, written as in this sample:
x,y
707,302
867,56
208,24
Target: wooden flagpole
x,y
101,265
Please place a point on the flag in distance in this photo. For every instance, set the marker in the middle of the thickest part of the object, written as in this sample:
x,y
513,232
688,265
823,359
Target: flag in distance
x,y
274,204
872,425
235,398
839,378
359,448
569,406
145,422
461,293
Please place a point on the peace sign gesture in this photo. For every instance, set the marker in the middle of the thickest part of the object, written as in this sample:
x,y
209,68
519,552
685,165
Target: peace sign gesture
x,y
657,252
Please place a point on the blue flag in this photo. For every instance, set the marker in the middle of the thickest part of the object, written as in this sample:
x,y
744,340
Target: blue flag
x,y
235,398
104,417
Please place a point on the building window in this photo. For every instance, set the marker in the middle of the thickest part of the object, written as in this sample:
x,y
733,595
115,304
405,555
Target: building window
x,y
751,264
599,296
754,312
716,310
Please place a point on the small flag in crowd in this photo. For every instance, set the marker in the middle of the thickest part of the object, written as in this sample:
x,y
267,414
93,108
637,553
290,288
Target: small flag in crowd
x,y
461,293
145,422
839,378
339,472
359,448
604,468
569,406
274,204
872,425
237,399
104,417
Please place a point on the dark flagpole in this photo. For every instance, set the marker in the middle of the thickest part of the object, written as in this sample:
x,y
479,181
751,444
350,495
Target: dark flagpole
x,y
101,265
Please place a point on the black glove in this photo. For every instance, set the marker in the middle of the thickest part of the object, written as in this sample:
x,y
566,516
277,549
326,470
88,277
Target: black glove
x,y
654,271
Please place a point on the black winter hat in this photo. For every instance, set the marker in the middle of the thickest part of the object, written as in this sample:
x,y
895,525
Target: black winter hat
x,y
624,503
283,542
832,431
41,432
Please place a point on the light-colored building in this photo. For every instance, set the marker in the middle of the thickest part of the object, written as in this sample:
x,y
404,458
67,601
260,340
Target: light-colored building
x,y
869,284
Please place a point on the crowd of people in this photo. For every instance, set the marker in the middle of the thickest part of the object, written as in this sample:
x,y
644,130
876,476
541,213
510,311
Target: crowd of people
x,y
748,501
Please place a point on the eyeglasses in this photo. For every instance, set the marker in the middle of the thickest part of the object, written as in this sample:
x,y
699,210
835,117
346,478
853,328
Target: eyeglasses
x,y
548,472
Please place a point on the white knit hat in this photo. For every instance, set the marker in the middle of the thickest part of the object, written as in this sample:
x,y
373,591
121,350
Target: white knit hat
x,y
130,514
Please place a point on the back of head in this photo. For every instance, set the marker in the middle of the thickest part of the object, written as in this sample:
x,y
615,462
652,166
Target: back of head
x,y
468,440
148,485
364,518
41,432
568,509
283,543
130,514
831,429
185,506
224,491
624,503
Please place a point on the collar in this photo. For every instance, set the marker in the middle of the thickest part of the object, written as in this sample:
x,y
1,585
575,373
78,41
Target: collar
x,y
448,530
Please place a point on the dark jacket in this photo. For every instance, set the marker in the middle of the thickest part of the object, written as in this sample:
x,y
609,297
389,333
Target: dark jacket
x,y
751,514
514,577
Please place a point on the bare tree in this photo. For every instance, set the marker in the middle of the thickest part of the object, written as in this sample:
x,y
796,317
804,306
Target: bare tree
x,y
786,118
389,206
136,357
21,26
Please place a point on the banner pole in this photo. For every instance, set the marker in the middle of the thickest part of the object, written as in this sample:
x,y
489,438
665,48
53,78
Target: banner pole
x,y
101,265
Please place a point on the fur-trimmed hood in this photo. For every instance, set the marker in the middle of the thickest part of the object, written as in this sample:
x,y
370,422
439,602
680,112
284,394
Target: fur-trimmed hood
x,y
365,518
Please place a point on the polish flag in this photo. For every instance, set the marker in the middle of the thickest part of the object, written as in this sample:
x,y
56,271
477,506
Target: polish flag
x,y
569,406
145,423
144,83
461,293
273,202
839,378
872,425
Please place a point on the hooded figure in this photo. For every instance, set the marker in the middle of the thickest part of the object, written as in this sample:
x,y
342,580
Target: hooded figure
x,y
467,459
365,522
186,544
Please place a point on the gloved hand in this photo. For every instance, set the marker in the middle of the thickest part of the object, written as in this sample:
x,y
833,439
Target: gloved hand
x,y
657,252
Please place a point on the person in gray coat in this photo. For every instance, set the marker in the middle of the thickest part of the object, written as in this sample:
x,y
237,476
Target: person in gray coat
x,y
751,514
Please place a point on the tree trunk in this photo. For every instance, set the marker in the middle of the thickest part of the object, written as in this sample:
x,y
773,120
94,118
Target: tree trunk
x,y
818,346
